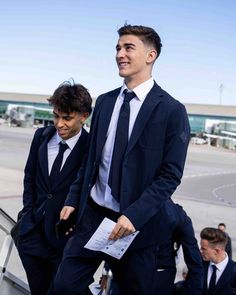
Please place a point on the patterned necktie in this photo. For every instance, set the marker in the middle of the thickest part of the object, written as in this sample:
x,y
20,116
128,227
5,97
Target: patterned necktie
x,y
56,167
212,283
120,145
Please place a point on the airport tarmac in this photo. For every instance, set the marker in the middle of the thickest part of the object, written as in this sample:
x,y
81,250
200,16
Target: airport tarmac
x,y
207,191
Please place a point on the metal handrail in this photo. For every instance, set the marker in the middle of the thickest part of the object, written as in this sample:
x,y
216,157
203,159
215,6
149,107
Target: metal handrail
x,y
9,283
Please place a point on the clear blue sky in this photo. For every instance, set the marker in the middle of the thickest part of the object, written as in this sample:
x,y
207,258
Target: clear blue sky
x,y
44,43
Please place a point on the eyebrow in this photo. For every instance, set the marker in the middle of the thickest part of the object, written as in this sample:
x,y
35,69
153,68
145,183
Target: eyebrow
x,y
125,44
129,44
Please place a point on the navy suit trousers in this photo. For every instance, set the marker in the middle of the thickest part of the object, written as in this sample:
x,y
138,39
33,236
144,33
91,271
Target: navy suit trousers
x,y
134,272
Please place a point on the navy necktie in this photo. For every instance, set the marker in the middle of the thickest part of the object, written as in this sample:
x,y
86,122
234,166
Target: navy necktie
x,y
212,280
120,145
56,167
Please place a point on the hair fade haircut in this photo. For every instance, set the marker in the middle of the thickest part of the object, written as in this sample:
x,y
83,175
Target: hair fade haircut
x,y
214,236
70,97
148,35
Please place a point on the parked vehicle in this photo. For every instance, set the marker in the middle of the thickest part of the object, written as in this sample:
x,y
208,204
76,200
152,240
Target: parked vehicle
x,y
198,140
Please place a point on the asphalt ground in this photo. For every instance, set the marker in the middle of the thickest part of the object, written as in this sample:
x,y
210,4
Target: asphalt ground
x,y
207,191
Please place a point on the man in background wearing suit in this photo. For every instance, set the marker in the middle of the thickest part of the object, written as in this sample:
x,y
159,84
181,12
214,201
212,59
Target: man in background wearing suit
x,y
219,269
137,148
179,232
55,156
228,247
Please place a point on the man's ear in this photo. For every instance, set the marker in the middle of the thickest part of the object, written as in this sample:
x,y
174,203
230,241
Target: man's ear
x,y
152,55
84,117
218,250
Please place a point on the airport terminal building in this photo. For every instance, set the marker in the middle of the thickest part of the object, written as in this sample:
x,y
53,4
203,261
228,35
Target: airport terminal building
x,y
215,123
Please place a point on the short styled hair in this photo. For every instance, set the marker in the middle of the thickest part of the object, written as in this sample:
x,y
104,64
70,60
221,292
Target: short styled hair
x,y
148,35
222,224
70,97
214,236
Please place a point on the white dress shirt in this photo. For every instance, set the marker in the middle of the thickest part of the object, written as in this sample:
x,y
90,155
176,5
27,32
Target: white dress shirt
x,y
220,267
101,192
53,148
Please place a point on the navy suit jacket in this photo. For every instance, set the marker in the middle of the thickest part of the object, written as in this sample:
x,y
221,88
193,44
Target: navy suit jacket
x,y
226,284
40,199
153,163
178,229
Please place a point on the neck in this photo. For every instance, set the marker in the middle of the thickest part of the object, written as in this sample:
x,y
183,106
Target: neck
x,y
133,82
219,258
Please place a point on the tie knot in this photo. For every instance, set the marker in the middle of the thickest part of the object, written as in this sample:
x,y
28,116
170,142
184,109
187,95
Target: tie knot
x,y
128,95
214,268
63,146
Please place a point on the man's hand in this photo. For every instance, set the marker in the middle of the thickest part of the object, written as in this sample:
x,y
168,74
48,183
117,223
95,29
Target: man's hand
x,y
66,212
123,228
103,282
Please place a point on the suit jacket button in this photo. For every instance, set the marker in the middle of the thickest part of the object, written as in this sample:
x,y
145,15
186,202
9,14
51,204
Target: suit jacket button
x,y
50,196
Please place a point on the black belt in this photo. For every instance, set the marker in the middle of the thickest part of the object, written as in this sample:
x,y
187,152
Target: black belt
x,y
103,210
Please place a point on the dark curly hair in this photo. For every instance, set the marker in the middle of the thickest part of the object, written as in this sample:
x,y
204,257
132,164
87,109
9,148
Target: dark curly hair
x,y
71,97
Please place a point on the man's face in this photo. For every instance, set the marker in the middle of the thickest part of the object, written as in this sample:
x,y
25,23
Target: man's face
x,y
207,251
68,125
133,57
221,227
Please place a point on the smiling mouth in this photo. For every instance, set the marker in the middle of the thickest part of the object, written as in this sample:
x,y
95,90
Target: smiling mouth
x,y
62,131
122,64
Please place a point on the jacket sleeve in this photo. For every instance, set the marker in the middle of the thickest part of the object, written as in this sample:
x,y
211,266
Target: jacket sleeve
x,y
73,197
29,193
192,257
170,172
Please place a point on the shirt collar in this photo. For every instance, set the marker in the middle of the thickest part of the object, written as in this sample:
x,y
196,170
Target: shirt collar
x,y
141,90
221,265
71,142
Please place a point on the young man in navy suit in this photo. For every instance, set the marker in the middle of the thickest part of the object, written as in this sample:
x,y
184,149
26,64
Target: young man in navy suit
x,y
138,143
47,179
219,269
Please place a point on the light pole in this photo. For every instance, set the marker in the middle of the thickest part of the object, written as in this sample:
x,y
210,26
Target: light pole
x,y
221,92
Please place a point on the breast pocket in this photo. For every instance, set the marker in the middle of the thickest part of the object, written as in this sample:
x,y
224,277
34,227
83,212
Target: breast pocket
x,y
152,137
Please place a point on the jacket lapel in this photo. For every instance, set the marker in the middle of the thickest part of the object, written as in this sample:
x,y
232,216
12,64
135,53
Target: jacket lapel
x,y
104,120
72,159
151,101
225,277
43,158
